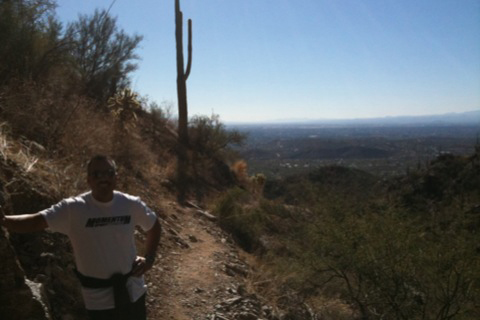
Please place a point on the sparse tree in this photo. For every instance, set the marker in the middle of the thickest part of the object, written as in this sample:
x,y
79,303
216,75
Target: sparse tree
x,y
103,56
29,36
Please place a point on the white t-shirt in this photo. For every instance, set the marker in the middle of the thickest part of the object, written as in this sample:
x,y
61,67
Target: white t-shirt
x,y
102,237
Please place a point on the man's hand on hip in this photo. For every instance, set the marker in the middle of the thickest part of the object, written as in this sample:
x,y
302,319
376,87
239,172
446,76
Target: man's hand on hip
x,y
140,266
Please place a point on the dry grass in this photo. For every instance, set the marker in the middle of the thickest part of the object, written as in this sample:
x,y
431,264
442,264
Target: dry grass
x,y
20,154
86,132
272,286
29,160
4,143
240,169
51,133
332,308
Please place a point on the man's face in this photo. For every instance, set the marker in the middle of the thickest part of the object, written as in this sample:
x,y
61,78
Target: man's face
x,y
101,178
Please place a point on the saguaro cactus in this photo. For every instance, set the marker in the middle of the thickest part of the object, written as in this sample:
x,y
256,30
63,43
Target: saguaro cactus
x,y
182,76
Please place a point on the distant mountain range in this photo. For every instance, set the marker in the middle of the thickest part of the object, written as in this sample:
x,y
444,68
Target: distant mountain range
x,y
463,118
471,117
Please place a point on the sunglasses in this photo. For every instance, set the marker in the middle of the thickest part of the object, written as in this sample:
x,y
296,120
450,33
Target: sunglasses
x,y
98,174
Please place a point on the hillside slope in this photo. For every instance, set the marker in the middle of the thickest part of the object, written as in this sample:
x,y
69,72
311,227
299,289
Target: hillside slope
x,y
199,273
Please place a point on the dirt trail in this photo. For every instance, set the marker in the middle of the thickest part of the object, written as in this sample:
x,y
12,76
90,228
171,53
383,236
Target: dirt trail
x,y
194,272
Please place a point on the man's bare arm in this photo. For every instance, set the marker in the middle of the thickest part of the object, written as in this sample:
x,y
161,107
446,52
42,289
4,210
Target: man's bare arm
x,y
23,223
153,238
143,264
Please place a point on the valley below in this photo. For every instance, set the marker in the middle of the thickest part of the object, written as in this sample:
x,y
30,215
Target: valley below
x,y
279,150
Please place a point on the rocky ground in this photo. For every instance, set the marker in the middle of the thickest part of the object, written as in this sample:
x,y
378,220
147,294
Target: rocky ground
x,y
200,273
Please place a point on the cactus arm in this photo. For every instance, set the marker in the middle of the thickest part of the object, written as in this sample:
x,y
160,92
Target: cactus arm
x,y
189,61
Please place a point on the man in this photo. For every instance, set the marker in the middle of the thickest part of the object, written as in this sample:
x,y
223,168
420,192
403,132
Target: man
x,y
100,225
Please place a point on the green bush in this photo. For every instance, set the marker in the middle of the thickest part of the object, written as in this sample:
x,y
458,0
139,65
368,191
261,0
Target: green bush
x,y
391,267
210,154
246,223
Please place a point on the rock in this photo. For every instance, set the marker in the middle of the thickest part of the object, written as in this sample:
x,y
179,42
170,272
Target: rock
x,y
233,269
246,316
207,215
243,308
19,297
192,238
219,316
232,301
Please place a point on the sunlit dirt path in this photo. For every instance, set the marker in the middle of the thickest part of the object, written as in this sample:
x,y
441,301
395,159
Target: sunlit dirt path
x,y
190,277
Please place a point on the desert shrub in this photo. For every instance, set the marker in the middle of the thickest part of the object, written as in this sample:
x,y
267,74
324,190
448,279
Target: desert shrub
x,y
246,223
208,136
323,184
240,169
390,267
157,126
447,180
210,154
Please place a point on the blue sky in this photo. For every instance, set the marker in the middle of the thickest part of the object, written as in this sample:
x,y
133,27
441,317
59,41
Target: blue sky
x,y
259,60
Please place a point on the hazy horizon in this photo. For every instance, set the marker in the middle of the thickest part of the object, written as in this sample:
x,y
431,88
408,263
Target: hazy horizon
x,y
467,116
